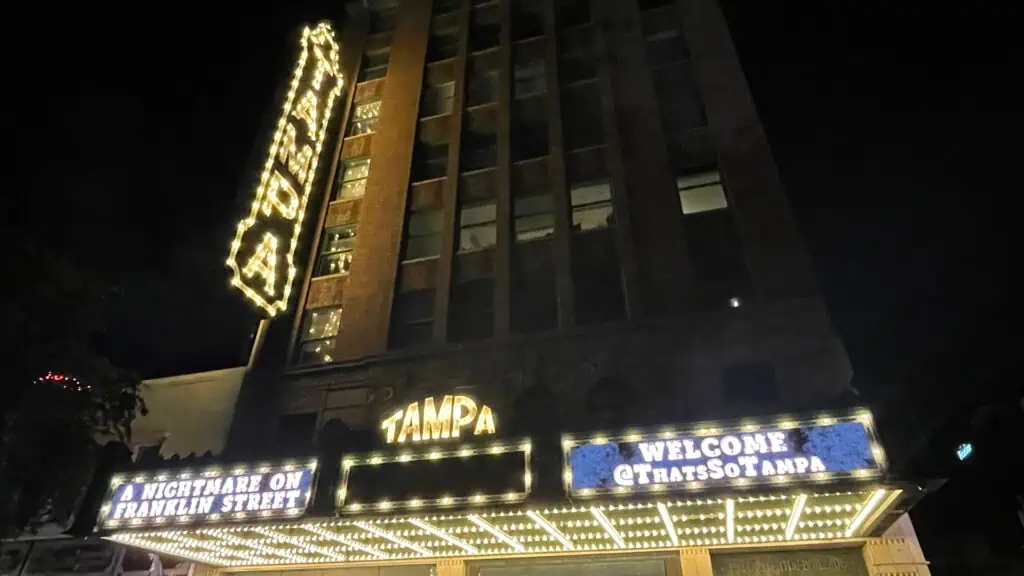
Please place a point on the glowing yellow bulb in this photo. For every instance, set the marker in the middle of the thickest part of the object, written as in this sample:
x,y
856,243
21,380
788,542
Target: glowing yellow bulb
x,y
275,197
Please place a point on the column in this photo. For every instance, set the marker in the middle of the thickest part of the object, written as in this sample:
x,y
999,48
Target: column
x,y
695,561
886,556
451,568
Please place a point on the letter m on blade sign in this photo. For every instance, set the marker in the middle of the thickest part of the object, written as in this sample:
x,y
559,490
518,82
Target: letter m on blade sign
x,y
262,257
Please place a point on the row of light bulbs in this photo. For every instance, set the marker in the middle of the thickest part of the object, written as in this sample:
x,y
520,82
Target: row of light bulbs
x,y
224,548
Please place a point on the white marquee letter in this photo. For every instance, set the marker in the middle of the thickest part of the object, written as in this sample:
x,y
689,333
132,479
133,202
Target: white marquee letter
x,y
709,446
778,441
731,445
652,451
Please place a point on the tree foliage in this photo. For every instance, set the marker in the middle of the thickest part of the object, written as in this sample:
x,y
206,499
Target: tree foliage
x,y
53,317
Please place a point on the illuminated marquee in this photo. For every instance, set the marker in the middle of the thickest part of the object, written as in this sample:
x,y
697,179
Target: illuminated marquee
x,y
210,494
263,250
706,456
439,421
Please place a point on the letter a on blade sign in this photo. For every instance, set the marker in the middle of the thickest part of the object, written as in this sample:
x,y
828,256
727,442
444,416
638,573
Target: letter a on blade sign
x,y
451,417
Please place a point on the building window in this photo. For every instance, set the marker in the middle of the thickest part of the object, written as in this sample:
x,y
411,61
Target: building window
x,y
318,335
444,44
479,150
591,206
364,118
375,65
477,227
383,20
437,99
534,307
597,279
529,80
527,19
336,253
701,192
663,38
570,13
446,6
412,318
529,141
471,313
352,180
482,88
534,217
575,56
712,241
484,27
679,101
583,126
423,234
429,161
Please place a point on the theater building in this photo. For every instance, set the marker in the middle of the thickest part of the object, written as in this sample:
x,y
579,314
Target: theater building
x,y
535,302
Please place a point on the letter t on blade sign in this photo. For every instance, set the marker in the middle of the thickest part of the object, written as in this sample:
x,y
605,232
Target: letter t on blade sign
x,y
262,254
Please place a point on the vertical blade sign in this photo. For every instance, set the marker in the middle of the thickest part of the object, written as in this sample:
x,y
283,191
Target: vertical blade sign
x,y
263,250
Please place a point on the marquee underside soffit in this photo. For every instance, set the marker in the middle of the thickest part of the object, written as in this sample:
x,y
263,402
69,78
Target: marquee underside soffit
x,y
600,526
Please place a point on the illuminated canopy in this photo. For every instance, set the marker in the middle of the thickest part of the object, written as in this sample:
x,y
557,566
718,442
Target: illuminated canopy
x,y
262,252
421,503
605,526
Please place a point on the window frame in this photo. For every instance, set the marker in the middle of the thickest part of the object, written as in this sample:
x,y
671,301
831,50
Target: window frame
x,y
482,88
443,45
304,340
492,224
347,165
530,234
446,90
369,121
403,326
325,254
591,206
377,71
704,180
538,73
410,236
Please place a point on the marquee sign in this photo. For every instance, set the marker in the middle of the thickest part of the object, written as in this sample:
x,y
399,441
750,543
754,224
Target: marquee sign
x,y
713,455
440,421
262,252
210,494
440,476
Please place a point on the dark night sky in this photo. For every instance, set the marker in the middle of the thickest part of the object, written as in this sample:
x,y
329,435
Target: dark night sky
x,y
883,123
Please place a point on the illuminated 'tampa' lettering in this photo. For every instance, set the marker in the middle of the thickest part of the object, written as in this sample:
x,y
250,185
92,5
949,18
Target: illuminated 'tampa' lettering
x,y
439,422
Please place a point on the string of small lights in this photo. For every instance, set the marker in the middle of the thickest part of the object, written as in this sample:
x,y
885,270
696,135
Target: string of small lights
x,y
64,381
592,527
